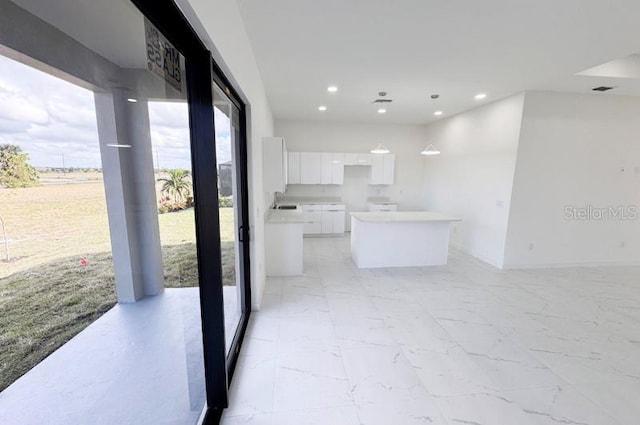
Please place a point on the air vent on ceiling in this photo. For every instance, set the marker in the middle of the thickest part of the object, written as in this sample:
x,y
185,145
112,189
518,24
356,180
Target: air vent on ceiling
x,y
602,88
382,101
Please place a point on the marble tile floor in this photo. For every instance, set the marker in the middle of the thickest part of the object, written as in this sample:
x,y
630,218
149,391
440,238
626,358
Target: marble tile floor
x,y
459,344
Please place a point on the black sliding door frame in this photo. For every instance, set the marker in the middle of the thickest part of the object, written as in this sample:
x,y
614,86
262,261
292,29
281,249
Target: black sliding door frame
x,y
201,72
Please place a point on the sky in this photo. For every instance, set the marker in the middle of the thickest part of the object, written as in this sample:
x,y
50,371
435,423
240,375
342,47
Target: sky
x,y
50,118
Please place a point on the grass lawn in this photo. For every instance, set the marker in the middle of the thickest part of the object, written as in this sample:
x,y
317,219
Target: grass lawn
x,y
46,295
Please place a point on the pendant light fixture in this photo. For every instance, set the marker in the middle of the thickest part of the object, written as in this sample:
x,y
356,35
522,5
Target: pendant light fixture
x,y
430,150
380,149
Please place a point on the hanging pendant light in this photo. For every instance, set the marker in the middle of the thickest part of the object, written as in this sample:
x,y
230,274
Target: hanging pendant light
x,y
430,150
380,149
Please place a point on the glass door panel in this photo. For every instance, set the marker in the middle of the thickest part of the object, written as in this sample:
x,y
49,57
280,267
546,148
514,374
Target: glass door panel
x,y
227,125
120,228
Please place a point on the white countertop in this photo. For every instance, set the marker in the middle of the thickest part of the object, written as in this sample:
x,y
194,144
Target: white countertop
x,y
309,200
285,216
402,216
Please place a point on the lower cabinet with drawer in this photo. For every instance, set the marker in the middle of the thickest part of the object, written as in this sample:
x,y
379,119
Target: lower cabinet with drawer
x,y
312,219
324,219
333,219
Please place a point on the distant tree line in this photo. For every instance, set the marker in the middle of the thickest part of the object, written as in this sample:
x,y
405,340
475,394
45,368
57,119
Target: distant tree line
x,y
69,170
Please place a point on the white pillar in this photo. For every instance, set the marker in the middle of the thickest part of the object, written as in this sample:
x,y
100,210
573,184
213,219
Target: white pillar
x,y
129,178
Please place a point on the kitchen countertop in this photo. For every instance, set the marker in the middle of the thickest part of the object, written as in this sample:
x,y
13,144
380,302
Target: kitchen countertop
x,y
285,216
309,200
402,217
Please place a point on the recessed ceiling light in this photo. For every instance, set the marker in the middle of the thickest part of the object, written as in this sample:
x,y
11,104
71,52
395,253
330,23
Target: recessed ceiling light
x,y
382,111
437,113
132,100
322,108
332,89
481,96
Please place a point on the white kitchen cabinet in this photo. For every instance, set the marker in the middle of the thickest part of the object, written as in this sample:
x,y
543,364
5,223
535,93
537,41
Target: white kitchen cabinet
x,y
388,170
327,222
310,168
312,219
293,170
350,159
382,169
365,158
339,222
377,170
333,219
285,256
337,168
325,168
274,164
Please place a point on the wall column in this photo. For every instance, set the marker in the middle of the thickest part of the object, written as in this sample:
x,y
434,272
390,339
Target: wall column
x,y
129,179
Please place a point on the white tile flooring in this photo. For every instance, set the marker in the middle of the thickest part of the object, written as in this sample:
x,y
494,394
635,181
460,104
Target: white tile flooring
x,y
458,344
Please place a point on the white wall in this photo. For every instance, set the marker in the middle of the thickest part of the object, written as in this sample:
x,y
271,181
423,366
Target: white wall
x,y
572,152
402,140
472,178
219,24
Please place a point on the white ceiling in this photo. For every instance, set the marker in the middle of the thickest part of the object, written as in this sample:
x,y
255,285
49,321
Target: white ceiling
x,y
414,48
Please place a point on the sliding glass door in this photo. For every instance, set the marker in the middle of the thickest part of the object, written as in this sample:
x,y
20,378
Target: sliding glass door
x,y
232,195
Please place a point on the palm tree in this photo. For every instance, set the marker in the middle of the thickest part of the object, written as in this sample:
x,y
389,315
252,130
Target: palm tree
x,y
176,183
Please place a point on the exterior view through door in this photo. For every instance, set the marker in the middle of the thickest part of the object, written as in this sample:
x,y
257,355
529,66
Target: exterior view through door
x,y
126,294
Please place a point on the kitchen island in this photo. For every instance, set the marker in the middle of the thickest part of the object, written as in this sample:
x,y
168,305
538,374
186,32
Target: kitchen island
x,y
400,239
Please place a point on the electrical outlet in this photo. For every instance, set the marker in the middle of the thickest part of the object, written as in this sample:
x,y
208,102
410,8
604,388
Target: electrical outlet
x,y
499,203
530,246
622,244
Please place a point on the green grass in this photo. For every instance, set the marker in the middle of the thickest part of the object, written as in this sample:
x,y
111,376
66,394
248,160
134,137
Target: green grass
x,y
46,295
42,308
180,265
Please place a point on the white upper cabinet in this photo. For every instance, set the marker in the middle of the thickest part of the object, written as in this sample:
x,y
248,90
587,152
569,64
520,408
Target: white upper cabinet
x,y
388,170
310,168
365,158
350,159
377,169
325,168
328,168
382,169
274,164
337,168
294,167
